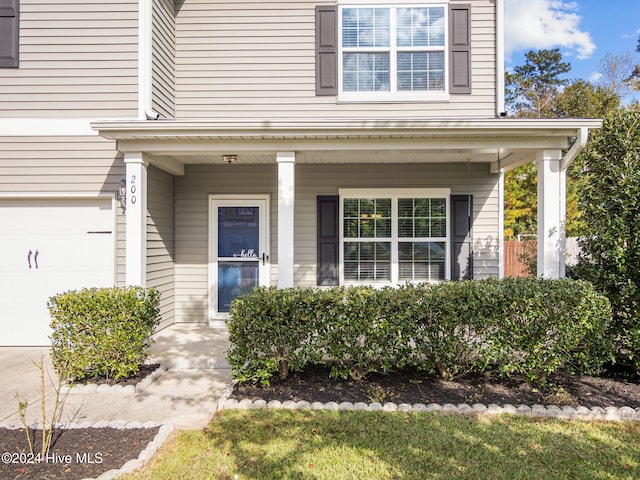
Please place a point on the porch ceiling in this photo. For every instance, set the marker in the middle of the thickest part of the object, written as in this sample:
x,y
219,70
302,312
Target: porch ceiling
x,y
503,143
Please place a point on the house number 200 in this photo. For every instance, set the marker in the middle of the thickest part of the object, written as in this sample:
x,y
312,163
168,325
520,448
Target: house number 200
x,y
132,189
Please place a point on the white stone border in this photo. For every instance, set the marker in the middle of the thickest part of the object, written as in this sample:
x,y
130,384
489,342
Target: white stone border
x,y
104,388
133,464
613,414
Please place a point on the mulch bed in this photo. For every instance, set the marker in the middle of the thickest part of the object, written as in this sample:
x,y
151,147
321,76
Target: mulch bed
x,y
410,386
89,452
74,453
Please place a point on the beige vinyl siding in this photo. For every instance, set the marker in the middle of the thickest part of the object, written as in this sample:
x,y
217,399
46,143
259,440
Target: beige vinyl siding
x,y
163,63
192,221
73,166
314,180
160,240
257,59
192,227
77,59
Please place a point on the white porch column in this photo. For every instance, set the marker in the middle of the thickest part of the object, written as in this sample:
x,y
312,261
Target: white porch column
x,y
551,214
286,198
136,219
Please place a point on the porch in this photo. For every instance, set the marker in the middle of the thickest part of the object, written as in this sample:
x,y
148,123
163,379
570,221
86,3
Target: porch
x,y
175,170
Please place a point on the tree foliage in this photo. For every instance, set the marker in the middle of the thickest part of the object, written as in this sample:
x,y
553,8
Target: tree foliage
x,y
634,79
610,256
532,88
535,90
582,100
617,73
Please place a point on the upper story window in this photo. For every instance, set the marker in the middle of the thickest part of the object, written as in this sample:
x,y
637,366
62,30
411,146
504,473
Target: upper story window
x,y
408,52
393,51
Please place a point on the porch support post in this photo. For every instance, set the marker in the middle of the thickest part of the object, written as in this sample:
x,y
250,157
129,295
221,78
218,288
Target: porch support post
x,y
551,214
136,219
286,199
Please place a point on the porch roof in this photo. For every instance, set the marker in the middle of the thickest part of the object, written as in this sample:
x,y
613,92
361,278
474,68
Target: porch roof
x,y
502,142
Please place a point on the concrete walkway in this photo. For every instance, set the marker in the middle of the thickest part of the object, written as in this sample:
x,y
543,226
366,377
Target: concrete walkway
x,y
186,395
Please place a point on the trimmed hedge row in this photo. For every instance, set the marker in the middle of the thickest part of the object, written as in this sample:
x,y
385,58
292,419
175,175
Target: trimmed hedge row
x,y
527,326
102,332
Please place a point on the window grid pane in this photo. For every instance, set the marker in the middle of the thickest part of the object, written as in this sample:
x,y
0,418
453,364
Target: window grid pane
x,y
367,218
367,261
420,71
420,27
421,229
366,72
421,261
364,29
422,218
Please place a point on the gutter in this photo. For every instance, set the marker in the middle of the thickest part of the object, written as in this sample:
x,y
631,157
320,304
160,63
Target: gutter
x,y
500,106
576,148
145,56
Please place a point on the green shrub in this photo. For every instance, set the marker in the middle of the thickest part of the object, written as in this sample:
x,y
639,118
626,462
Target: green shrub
x,y
364,330
454,323
543,325
526,326
272,331
102,332
610,251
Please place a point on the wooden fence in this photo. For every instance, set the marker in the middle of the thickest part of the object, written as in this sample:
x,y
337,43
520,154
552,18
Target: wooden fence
x,y
514,251
513,264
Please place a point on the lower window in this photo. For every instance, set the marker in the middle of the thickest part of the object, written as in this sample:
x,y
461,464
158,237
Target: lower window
x,y
394,237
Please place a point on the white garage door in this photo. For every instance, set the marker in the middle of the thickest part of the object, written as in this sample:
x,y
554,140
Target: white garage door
x,y
48,246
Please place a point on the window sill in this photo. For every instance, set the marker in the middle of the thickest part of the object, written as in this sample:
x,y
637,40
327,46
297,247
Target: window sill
x,y
393,97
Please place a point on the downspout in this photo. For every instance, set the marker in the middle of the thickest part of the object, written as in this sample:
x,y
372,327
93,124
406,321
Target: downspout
x,y
145,57
500,110
581,141
582,136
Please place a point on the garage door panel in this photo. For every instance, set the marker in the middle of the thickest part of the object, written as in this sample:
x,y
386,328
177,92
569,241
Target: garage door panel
x,y
49,246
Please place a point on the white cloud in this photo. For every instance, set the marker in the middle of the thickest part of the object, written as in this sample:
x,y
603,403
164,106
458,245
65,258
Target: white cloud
x,y
595,77
545,24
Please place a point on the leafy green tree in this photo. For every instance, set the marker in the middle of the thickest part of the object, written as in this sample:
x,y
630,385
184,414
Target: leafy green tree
x,y
579,99
610,256
532,88
634,79
530,91
582,100
520,201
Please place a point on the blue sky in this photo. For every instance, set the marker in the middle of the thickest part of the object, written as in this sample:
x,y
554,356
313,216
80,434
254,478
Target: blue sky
x,y
584,31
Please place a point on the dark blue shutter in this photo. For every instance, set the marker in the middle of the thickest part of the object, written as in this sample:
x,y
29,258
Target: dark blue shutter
x,y
327,50
9,33
327,240
460,48
461,241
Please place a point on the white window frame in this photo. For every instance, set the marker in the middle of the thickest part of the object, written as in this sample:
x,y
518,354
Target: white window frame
x,y
393,95
394,194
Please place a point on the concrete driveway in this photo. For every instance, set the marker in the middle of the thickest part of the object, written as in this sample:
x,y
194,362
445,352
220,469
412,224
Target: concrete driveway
x,y
187,394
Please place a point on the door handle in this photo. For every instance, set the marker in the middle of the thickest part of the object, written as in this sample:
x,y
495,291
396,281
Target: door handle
x,y
35,258
29,258
265,258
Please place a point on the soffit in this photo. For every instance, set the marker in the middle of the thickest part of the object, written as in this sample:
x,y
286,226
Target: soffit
x,y
514,141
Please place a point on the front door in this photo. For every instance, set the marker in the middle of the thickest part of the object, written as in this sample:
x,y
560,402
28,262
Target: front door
x,y
239,249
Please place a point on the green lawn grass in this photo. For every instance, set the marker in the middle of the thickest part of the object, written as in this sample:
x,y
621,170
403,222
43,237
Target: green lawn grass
x,y
282,444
